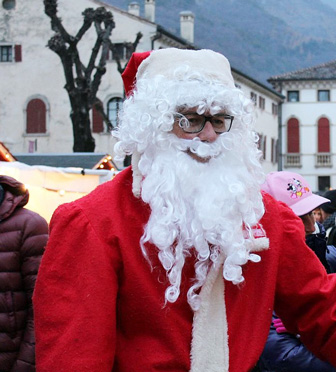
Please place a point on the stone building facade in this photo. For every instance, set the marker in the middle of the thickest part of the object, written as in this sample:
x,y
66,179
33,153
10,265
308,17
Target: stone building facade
x,y
34,106
308,123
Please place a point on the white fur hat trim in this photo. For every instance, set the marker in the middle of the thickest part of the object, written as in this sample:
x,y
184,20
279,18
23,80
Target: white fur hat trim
x,y
208,63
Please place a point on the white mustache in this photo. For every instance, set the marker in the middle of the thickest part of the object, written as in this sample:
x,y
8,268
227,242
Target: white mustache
x,y
202,149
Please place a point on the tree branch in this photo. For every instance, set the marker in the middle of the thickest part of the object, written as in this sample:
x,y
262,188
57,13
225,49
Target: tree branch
x,y
50,9
132,47
87,22
102,16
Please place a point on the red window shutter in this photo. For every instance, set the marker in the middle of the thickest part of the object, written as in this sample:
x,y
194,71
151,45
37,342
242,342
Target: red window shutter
x,y
323,129
97,121
18,53
293,136
36,116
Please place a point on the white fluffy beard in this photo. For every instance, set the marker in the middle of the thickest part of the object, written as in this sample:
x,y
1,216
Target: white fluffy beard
x,y
199,208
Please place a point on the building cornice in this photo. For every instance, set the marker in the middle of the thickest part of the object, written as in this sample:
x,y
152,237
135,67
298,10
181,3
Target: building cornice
x,y
254,84
307,84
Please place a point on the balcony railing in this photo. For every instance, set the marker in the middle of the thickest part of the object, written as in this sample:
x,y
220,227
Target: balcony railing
x,y
323,159
292,160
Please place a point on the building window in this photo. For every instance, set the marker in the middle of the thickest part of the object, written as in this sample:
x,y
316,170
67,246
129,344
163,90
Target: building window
x,y
10,53
293,96
114,106
323,95
262,145
8,4
262,102
293,136
6,53
254,97
323,183
36,117
275,109
123,50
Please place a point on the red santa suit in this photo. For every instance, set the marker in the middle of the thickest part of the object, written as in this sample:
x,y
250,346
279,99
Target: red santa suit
x,y
99,305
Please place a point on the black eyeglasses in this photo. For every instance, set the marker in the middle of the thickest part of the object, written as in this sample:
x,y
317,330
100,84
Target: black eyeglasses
x,y
194,123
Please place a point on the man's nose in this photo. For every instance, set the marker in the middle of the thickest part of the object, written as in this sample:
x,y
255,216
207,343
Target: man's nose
x,y
208,133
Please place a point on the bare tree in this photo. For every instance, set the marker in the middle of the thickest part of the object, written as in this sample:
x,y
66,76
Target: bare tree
x,y
82,81
131,48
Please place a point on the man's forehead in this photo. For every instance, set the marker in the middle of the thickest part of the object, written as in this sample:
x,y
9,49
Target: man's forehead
x,y
199,109
185,108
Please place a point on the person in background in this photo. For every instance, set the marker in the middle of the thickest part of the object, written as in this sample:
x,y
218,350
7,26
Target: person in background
x,y
175,265
317,214
284,351
23,236
328,211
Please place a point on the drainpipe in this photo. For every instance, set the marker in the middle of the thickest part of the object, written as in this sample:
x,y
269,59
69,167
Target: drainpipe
x,y
280,159
156,37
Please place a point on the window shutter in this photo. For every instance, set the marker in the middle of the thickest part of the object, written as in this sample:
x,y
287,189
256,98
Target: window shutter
x,y
18,53
293,136
108,55
264,147
323,135
36,116
97,121
272,150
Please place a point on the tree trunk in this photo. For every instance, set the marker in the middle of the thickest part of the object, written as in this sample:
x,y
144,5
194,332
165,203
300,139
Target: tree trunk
x,y
83,140
81,124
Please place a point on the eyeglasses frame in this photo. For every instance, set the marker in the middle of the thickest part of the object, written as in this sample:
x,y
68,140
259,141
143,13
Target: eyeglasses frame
x,y
206,119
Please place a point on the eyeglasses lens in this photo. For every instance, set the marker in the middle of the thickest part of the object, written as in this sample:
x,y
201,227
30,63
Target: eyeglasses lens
x,y
194,123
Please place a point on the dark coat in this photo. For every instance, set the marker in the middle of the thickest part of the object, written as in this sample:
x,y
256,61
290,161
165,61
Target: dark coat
x,y
331,258
285,352
317,242
23,236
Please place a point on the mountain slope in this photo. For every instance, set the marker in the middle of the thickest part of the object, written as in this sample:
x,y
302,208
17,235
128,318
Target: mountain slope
x,y
260,37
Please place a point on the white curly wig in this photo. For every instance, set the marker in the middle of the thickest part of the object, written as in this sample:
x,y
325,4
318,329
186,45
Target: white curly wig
x,y
196,208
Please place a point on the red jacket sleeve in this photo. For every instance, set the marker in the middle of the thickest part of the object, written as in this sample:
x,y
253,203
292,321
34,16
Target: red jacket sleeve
x,y
75,297
307,305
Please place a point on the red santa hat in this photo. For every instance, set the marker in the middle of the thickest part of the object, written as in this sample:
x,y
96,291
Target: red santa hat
x,y
208,63
131,69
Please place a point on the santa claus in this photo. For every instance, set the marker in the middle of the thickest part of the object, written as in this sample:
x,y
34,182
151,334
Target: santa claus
x,y
177,264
